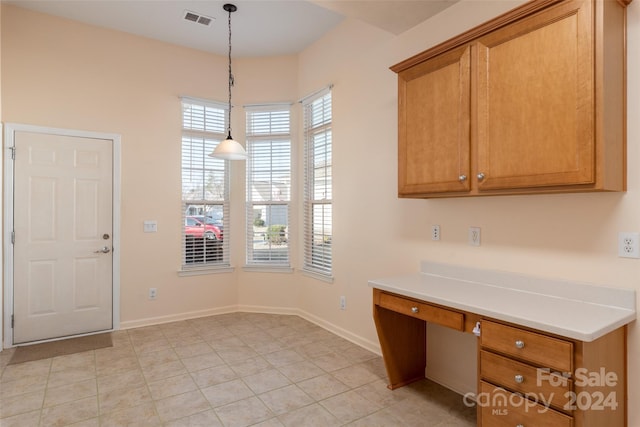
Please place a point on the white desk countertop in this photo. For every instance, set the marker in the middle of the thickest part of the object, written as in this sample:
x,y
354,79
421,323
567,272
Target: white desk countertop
x,y
580,311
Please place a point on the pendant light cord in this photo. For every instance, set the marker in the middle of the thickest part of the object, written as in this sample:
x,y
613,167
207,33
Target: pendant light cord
x,y
231,80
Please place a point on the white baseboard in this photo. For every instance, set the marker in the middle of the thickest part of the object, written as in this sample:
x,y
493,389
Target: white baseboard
x,y
150,321
374,347
460,387
268,310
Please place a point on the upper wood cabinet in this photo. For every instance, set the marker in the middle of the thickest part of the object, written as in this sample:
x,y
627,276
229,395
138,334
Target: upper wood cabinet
x,y
530,102
434,120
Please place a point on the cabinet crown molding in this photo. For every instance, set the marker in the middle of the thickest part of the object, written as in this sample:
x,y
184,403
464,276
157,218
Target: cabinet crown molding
x,y
520,12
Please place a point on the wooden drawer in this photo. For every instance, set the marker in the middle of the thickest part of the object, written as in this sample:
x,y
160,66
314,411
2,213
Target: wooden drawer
x,y
523,378
421,310
500,408
539,349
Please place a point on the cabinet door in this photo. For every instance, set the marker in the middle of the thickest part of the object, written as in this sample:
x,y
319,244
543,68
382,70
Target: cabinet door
x,y
433,123
536,101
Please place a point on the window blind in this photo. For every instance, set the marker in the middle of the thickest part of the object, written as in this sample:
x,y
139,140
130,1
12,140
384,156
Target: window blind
x,y
268,185
205,185
318,206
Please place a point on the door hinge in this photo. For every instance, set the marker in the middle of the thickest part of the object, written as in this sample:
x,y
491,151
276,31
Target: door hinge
x,y
12,321
13,237
13,152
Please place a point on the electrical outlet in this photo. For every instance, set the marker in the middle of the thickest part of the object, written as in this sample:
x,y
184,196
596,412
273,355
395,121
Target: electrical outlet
x,y
629,245
153,293
343,303
435,232
474,236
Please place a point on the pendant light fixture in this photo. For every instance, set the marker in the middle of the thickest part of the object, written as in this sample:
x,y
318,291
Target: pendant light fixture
x,y
229,149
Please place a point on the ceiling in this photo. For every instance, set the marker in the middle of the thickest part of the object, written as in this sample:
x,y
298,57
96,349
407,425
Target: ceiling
x,y
259,27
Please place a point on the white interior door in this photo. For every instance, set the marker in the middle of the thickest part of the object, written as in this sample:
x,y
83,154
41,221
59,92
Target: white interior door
x,y
63,225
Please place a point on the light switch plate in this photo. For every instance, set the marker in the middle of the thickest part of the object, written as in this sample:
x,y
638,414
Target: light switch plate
x,y
150,226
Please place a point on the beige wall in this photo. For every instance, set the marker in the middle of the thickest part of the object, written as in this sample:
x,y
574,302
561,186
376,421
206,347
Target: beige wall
x,y
63,74
571,236
2,137
0,72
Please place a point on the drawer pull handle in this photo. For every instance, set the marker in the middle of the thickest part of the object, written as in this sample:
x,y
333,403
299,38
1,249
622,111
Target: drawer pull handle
x,y
415,309
519,344
520,425
519,379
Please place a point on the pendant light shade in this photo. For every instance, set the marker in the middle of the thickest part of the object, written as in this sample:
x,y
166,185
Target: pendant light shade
x,y
229,149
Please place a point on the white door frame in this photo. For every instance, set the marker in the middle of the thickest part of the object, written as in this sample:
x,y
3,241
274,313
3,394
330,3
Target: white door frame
x,y
8,178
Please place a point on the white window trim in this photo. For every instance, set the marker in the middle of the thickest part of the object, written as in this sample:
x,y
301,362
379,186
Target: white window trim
x,y
306,269
195,271
267,269
329,278
270,266
207,268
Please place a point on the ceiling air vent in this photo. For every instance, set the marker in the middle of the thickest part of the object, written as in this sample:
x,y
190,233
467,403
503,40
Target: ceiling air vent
x,y
197,18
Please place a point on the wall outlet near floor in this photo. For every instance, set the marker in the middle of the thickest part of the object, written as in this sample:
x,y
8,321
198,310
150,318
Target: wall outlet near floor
x,y
474,236
153,293
435,232
343,303
629,245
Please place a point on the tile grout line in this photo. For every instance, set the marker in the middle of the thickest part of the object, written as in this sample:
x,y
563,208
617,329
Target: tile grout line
x,y
260,357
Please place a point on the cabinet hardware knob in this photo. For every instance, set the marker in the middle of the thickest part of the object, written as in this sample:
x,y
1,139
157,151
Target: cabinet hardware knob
x,y
462,178
519,344
480,176
519,379
520,425
414,309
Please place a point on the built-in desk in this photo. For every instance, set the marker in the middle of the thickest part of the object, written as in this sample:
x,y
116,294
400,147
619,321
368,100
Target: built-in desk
x,y
550,352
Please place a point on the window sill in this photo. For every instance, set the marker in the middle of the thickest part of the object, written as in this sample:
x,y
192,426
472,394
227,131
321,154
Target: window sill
x,y
205,270
320,276
267,269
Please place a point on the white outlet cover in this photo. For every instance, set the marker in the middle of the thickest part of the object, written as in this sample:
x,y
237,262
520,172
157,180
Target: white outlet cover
x,y
435,232
629,245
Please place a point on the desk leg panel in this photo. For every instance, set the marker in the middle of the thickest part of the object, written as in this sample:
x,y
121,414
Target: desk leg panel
x,y
403,344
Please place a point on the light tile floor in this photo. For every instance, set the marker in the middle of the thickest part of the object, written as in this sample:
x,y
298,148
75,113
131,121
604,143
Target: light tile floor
x,y
237,370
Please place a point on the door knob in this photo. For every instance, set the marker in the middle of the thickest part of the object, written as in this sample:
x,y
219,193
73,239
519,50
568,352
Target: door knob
x,y
104,250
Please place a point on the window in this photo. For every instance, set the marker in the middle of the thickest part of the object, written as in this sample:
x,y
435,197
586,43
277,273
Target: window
x,y
205,186
317,184
268,185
